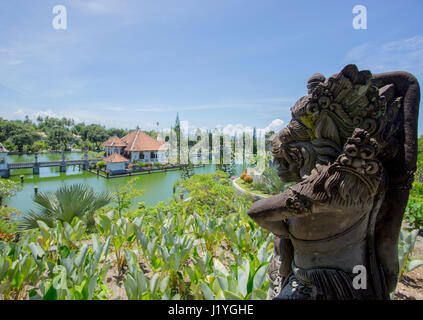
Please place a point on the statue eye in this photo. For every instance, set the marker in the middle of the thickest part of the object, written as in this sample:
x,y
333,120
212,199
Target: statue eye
x,y
351,150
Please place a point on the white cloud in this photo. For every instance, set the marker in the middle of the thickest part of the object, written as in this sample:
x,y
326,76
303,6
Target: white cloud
x,y
98,7
19,113
275,125
114,108
404,54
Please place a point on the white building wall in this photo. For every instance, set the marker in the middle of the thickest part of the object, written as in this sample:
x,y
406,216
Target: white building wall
x,y
147,156
3,161
115,166
162,156
135,156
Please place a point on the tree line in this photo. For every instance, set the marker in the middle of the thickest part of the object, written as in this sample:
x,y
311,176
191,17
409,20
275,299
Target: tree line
x,y
49,133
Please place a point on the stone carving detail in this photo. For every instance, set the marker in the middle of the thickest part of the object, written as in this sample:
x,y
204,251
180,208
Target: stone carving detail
x,y
351,146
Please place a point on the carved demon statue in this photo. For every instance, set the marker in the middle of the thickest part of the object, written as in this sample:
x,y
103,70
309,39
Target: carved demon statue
x,y
351,147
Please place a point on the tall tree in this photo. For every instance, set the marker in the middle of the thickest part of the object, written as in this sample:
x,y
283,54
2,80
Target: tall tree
x,y
178,137
96,134
59,138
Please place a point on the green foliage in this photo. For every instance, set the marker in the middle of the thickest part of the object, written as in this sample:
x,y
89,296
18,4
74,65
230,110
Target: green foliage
x,y
414,212
64,204
17,135
8,224
187,171
124,196
96,134
174,250
211,193
272,183
406,244
229,169
8,189
59,138
101,164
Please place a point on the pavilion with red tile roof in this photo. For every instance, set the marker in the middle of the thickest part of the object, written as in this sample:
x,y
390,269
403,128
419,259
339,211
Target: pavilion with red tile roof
x,y
137,146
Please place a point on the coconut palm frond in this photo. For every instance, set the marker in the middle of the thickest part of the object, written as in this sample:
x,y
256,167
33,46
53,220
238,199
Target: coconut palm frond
x,y
64,204
29,220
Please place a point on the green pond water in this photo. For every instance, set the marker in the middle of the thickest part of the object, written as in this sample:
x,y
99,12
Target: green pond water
x,y
157,186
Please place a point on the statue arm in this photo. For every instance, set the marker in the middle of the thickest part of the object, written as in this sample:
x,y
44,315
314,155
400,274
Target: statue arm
x,y
271,213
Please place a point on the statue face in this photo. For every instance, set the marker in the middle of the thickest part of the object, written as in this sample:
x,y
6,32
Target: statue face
x,y
292,148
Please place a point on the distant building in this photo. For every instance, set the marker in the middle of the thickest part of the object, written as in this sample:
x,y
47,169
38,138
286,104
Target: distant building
x,y
42,135
4,169
116,163
137,146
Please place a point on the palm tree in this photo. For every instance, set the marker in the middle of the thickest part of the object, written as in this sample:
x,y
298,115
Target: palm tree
x,y
64,204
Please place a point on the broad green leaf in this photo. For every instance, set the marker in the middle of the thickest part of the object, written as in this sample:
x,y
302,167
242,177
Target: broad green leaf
x,y
232,296
91,287
223,283
64,251
80,259
51,293
208,294
258,295
163,284
413,264
153,282
220,268
243,275
260,277
4,266
36,250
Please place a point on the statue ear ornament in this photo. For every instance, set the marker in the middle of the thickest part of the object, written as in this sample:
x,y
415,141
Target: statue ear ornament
x,y
351,148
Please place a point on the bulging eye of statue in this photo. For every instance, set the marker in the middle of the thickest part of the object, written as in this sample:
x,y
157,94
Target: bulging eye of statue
x,y
313,107
324,102
372,167
367,152
351,150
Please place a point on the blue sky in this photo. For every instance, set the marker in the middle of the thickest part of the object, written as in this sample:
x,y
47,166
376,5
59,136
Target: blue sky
x,y
125,63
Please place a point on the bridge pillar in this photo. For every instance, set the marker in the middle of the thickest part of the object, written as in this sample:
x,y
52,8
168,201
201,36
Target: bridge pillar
x,y
63,168
86,165
36,169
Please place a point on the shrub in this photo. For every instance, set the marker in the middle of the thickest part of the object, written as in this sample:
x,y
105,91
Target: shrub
x,y
141,164
157,164
248,179
101,164
414,212
64,204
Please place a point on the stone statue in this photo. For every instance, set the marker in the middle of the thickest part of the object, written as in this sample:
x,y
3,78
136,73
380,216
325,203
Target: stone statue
x,y
351,146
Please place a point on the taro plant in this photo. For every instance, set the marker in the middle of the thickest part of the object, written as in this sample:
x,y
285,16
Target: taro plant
x,y
247,281
121,232
75,275
414,212
17,269
175,250
406,244
139,287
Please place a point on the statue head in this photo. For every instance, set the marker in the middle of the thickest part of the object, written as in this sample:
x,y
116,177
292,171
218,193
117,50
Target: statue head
x,y
323,120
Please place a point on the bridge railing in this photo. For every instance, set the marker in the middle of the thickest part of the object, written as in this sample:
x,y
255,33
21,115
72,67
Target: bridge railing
x,y
25,165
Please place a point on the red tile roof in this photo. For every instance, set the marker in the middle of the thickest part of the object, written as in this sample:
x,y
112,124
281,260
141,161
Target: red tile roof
x,y
140,141
115,157
114,142
163,144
